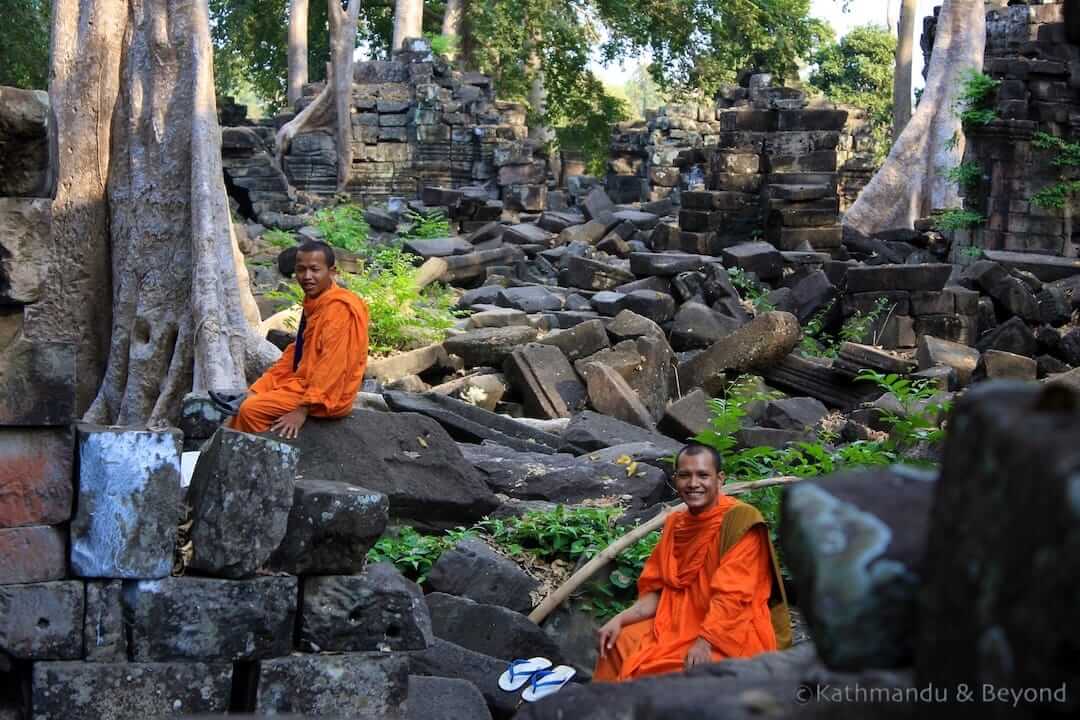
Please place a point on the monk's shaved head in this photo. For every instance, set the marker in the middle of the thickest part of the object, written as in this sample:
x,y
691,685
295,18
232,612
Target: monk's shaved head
x,y
309,246
699,449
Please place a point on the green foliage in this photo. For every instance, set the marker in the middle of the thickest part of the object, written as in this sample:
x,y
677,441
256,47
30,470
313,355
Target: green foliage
x,y
400,316
642,92
412,553
1066,156
919,420
750,289
858,71
574,535
972,252
703,44
445,45
432,224
956,219
817,343
24,44
343,226
279,238
974,105
967,175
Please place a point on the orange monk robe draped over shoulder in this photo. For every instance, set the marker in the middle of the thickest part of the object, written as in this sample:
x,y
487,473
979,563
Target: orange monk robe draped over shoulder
x,y
331,365
711,586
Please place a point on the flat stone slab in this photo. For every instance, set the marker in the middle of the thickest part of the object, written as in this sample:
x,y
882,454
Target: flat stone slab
x,y
546,380
42,621
192,618
129,501
129,691
359,686
489,346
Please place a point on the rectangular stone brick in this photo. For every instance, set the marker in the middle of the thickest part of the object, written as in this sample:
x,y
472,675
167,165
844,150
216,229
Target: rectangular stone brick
x,y
42,621
38,379
104,637
37,553
25,229
361,686
129,691
35,476
129,500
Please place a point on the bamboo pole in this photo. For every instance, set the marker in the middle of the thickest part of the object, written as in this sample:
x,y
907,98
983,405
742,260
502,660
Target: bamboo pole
x,y
556,598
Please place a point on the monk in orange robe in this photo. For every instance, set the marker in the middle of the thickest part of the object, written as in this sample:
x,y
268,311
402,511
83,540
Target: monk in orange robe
x,y
320,373
710,590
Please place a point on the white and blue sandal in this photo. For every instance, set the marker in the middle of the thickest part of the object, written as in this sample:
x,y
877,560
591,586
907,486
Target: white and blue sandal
x,y
519,672
547,682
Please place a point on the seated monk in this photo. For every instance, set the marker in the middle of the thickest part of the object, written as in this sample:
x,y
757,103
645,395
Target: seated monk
x,y
321,372
710,590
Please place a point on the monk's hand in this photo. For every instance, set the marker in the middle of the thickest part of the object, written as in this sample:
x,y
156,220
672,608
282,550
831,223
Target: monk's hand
x,y
700,653
609,633
288,425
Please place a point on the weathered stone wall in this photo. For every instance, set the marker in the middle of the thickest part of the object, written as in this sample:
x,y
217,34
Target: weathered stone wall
x,y
1029,53
417,122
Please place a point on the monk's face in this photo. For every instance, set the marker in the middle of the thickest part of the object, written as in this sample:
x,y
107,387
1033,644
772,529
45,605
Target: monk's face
x,y
313,274
698,481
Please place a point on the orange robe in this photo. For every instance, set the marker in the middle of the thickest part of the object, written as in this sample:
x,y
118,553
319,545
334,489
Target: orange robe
x,y
723,597
331,365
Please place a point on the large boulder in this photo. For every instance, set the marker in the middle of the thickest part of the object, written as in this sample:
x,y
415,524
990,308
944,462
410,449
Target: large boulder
x,y
563,478
488,629
855,543
473,570
1001,559
240,495
405,456
379,610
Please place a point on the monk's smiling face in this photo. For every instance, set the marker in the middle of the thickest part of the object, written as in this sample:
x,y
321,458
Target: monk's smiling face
x,y
698,481
313,273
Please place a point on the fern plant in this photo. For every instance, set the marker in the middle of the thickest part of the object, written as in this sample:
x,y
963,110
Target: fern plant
x,y
279,238
431,224
975,100
343,226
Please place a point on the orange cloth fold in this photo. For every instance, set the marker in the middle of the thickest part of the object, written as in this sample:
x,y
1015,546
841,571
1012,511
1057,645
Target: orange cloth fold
x,y
331,366
705,592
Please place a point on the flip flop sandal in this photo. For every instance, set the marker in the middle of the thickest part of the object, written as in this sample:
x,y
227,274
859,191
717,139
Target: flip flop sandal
x,y
519,672
547,682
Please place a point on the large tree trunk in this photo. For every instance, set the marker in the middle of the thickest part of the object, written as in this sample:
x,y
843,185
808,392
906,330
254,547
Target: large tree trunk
x,y
408,21
83,86
453,24
342,49
905,44
537,95
298,48
912,181
178,315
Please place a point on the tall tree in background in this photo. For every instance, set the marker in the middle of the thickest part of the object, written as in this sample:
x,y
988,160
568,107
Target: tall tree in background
x,y
858,71
912,182
642,92
179,316
24,44
905,45
408,21
453,23
298,48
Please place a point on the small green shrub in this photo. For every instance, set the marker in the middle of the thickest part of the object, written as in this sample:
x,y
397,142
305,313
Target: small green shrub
x,y
815,342
279,238
956,219
1067,155
976,97
412,553
446,46
343,226
919,421
432,224
967,175
750,289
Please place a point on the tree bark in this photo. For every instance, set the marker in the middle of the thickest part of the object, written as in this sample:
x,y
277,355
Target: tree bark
x,y
178,312
408,21
342,49
83,87
912,181
298,49
538,130
454,19
902,77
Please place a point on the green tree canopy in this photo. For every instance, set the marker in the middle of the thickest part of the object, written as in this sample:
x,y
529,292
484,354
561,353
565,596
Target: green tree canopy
x,y
858,71
24,44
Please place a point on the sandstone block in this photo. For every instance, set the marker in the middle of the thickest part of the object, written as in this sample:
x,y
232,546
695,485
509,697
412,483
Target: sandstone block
x,y
35,553
42,621
35,476
360,686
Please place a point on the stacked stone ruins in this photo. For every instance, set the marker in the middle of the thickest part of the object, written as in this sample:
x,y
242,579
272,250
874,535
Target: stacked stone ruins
x,y
598,319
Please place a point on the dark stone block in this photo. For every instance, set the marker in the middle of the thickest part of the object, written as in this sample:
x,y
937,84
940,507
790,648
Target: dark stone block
x,y
877,278
488,629
435,698
364,686
471,569
42,621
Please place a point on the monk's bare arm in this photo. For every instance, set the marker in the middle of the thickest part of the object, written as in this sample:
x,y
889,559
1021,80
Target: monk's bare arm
x,y
643,609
